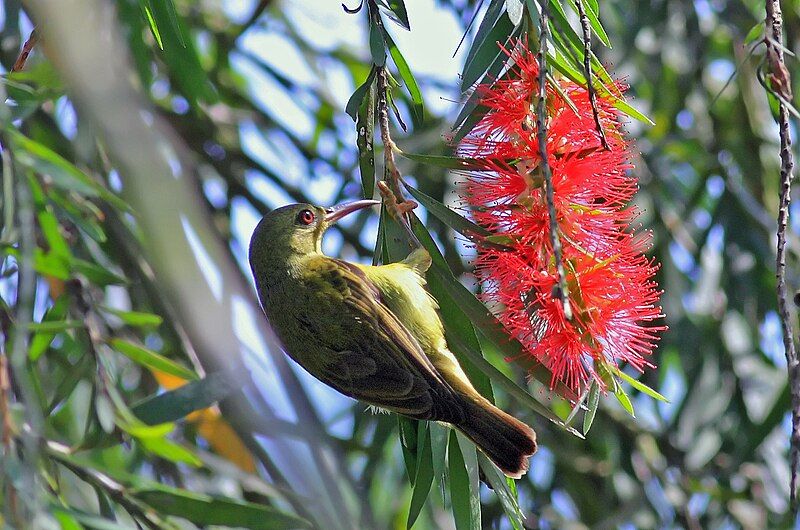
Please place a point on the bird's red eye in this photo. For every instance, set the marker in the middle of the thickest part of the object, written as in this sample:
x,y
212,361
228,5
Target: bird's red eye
x,y
306,217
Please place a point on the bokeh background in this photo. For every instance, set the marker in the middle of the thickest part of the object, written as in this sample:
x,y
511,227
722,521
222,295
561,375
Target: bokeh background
x,y
142,144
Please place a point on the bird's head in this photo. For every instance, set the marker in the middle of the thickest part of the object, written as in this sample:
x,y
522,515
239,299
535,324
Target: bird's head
x,y
297,229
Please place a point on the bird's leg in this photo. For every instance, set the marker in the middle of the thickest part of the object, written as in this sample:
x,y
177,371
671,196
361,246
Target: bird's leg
x,y
399,211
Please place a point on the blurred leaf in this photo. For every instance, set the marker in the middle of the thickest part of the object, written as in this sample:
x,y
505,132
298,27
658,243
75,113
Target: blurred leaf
x,y
170,451
69,517
55,326
181,55
178,403
64,175
104,409
151,359
97,274
207,510
41,341
135,318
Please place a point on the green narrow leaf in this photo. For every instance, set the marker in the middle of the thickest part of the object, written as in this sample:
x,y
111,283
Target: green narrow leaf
x,y
170,450
55,326
424,476
408,442
365,141
457,222
151,21
487,53
182,56
134,318
104,409
449,162
464,496
594,20
354,103
592,404
417,104
493,13
178,403
438,434
151,359
508,498
73,519
641,387
624,400
377,46
396,9
207,510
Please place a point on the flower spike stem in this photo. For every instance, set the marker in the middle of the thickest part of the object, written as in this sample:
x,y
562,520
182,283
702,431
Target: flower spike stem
x,y
780,84
541,136
587,70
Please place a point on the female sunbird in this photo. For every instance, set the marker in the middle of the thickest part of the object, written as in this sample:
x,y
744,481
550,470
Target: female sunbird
x,y
372,332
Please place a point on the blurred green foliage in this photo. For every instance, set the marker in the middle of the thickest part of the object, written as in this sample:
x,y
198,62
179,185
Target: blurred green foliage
x,y
99,338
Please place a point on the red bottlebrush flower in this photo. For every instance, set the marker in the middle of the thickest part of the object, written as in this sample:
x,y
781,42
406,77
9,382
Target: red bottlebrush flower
x,y
611,291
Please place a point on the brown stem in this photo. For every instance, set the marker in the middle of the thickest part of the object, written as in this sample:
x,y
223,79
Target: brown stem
x,y
27,48
391,173
587,70
541,136
780,83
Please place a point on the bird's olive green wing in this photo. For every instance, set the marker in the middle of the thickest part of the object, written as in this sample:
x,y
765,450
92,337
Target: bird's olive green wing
x,y
371,355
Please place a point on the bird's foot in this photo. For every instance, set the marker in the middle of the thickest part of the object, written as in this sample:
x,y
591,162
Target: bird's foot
x,y
398,210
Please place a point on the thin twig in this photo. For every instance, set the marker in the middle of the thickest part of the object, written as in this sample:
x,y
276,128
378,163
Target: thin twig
x,y
780,83
587,70
541,135
27,48
8,440
391,173
111,487
253,18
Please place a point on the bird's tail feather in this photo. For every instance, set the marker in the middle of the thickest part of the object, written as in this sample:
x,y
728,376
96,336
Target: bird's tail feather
x,y
504,439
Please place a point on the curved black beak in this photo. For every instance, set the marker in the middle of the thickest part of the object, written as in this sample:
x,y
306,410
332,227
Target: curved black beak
x,y
334,213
